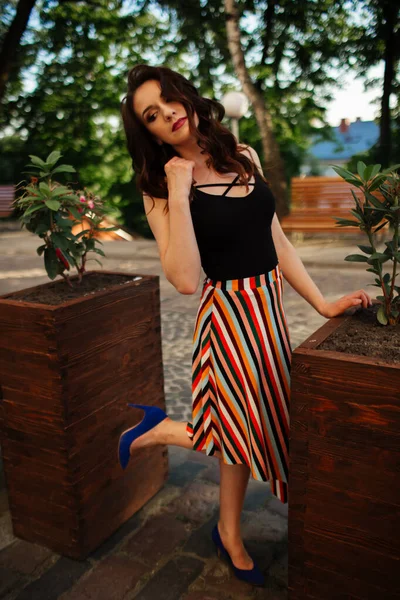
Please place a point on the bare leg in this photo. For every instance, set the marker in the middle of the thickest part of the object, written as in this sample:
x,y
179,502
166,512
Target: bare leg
x,y
168,432
234,480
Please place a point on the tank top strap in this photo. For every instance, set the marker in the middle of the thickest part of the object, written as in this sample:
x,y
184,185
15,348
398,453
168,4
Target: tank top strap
x,y
230,185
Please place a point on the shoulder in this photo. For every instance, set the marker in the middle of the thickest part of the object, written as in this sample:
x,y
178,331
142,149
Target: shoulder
x,y
151,202
252,154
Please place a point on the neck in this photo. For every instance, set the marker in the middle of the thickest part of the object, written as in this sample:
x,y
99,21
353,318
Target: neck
x,y
189,150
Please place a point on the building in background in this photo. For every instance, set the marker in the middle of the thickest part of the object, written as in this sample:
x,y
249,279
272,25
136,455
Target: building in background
x,y
349,139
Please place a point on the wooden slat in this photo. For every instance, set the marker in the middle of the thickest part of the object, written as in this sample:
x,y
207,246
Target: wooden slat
x,y
65,406
344,503
6,199
316,200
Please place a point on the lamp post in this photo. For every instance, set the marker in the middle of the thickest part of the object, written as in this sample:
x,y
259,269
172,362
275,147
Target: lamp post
x,y
236,105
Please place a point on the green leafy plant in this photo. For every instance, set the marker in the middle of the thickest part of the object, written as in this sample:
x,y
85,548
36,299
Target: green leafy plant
x,y
371,215
50,210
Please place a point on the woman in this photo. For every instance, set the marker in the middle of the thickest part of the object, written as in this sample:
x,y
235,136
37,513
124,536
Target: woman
x,y
241,349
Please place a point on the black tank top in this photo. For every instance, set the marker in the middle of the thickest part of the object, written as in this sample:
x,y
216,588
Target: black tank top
x,y
234,234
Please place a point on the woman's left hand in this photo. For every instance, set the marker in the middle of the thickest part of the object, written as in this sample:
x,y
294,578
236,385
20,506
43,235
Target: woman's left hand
x,y
333,309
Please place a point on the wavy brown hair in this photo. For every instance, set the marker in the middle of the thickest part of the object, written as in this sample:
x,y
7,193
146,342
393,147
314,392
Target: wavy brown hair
x,y
149,158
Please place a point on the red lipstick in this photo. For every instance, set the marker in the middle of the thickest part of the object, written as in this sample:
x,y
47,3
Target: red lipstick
x,y
178,123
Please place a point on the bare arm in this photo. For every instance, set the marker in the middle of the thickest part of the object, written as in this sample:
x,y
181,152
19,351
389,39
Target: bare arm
x,y
182,258
297,276
173,229
289,261
176,240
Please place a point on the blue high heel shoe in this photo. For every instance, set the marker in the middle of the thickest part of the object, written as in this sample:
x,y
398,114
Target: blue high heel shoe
x,y
152,417
253,576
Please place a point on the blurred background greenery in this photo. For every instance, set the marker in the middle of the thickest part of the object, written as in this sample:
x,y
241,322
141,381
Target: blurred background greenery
x,y
63,67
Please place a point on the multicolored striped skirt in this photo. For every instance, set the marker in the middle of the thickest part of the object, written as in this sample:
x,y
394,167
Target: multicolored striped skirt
x,y
241,376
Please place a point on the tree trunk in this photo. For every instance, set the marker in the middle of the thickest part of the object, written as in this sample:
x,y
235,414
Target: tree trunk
x,y
269,16
385,142
12,40
274,168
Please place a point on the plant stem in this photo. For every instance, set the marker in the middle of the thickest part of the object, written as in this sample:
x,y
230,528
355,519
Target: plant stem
x,y
84,262
67,279
371,241
81,269
395,248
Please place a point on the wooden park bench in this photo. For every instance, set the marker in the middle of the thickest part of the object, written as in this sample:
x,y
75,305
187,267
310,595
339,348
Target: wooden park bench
x,y
6,200
315,201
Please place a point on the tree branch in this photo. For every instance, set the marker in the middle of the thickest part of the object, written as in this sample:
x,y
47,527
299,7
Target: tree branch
x,y
269,23
88,2
272,157
12,41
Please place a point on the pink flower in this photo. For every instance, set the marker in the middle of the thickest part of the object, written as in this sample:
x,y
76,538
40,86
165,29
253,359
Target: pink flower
x,y
80,209
82,199
90,204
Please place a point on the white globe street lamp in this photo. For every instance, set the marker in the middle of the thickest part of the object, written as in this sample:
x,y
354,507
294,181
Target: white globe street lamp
x,y
236,105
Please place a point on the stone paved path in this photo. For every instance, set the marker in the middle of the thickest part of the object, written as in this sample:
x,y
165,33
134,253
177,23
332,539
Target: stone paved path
x,y
164,552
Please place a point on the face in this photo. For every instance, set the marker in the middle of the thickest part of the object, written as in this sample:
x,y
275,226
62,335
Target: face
x,y
159,114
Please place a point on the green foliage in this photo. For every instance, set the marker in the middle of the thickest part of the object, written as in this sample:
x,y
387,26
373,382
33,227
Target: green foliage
x,y
375,40
11,163
46,208
80,52
375,154
371,215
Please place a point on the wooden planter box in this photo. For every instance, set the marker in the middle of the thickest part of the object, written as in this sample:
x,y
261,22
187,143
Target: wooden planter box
x,y
344,490
67,373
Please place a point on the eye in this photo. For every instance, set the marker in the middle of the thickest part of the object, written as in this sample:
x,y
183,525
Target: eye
x,y
152,117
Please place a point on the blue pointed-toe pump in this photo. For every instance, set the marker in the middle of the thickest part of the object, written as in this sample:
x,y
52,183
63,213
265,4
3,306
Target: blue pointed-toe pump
x,y
253,576
152,417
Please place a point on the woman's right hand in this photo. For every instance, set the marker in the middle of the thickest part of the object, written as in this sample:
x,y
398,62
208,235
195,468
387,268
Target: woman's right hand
x,y
179,173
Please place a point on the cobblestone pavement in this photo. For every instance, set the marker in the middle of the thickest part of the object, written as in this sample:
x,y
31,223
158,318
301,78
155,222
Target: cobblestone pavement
x,y
182,564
